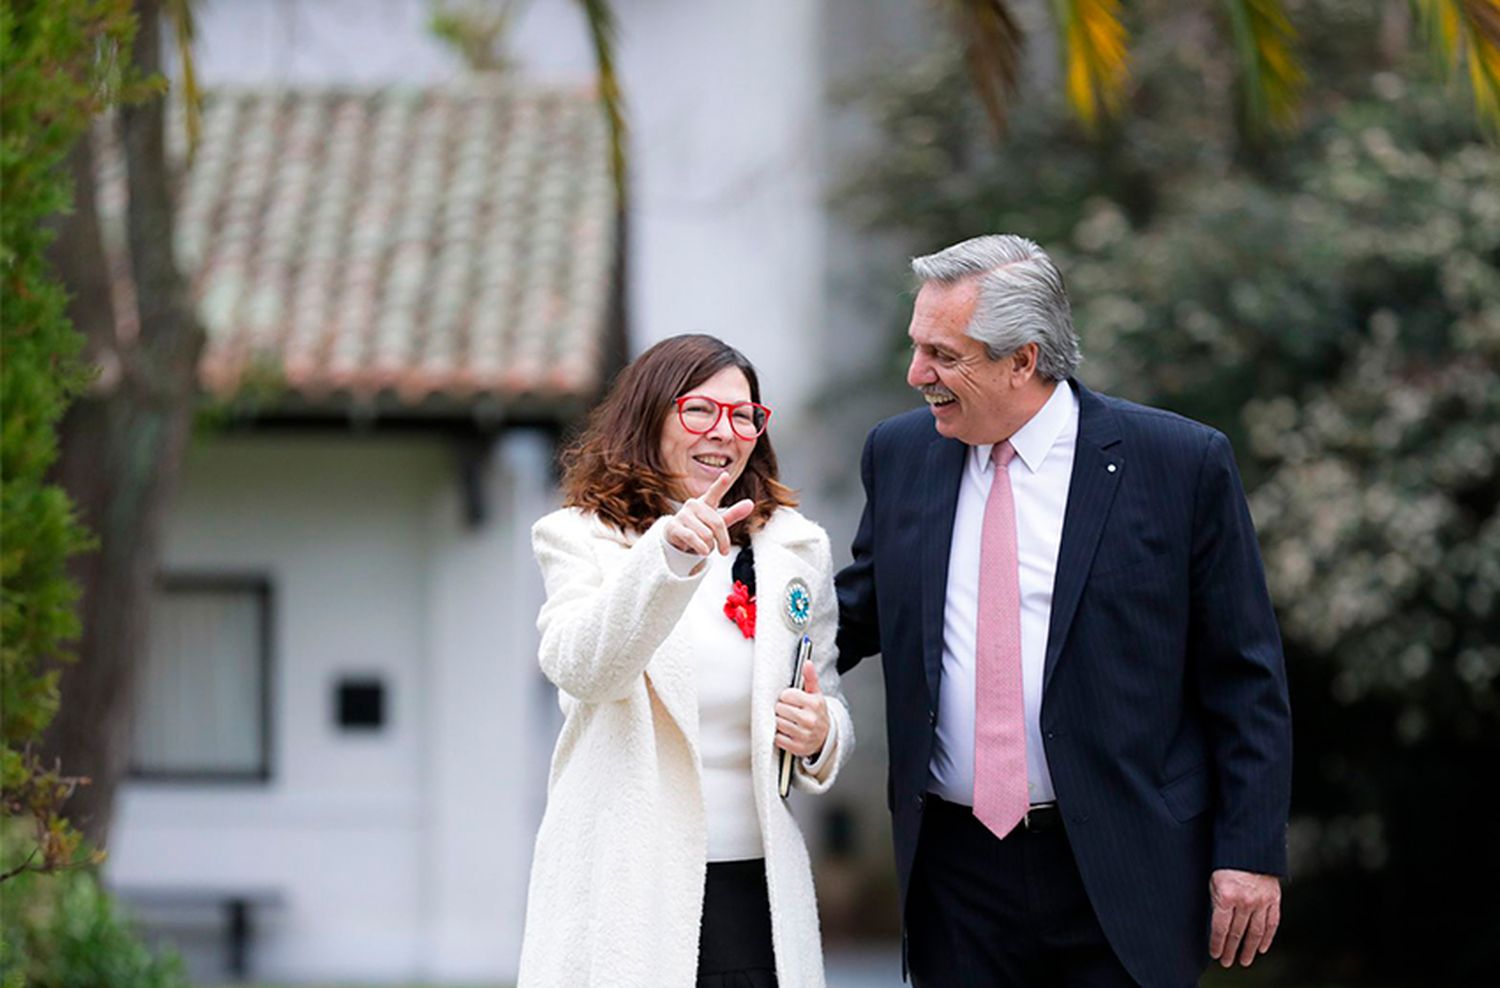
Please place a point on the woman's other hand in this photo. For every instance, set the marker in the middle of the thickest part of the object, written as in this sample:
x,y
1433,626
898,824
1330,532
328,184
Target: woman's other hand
x,y
701,526
802,717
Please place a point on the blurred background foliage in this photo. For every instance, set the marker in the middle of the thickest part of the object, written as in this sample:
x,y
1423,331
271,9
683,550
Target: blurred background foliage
x,y
61,930
1331,300
63,64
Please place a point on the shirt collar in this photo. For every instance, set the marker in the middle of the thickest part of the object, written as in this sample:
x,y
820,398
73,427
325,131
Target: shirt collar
x,y
1040,433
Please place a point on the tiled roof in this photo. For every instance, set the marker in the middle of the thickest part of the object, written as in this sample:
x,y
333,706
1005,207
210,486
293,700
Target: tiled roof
x,y
454,244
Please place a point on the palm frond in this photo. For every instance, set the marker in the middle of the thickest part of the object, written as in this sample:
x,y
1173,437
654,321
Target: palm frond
x,y
602,32
1440,23
992,53
1465,34
1271,78
183,31
1093,46
1483,17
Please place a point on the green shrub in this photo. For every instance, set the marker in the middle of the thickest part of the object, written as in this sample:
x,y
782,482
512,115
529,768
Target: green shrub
x,y
61,930
61,65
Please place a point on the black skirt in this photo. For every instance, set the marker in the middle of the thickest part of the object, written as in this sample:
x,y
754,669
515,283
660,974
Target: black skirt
x,y
734,946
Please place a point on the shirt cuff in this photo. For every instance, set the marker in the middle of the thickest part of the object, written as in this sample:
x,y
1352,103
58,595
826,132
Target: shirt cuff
x,y
682,564
813,766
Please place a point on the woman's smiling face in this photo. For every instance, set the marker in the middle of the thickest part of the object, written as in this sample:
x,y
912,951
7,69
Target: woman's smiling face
x,y
693,460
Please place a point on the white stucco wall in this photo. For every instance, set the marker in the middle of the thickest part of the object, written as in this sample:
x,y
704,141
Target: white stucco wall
x,y
491,715
400,854
727,238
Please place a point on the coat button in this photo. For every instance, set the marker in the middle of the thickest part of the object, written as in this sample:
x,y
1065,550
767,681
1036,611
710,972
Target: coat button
x,y
932,717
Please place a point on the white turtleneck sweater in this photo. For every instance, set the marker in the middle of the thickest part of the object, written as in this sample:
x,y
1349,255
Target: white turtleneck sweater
x,y
725,659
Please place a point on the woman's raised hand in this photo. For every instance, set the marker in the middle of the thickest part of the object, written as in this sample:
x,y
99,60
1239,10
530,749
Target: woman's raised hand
x,y
701,526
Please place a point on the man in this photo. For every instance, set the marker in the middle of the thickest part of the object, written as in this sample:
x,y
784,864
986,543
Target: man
x,y
1090,739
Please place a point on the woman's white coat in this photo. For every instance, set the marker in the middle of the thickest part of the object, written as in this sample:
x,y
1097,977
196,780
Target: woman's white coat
x,y
616,890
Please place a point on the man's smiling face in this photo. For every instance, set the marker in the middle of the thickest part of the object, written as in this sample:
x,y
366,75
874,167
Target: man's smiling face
x,y
971,396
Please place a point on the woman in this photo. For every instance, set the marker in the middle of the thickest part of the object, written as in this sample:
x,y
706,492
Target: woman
x,y
667,856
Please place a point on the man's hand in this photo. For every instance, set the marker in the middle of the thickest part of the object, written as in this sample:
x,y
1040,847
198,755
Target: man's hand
x,y
701,526
1247,910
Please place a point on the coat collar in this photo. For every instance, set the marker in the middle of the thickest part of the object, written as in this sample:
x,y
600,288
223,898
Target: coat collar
x,y
787,527
602,529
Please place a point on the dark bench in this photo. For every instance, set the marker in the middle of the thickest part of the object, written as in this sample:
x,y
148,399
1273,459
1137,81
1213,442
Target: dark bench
x,y
238,906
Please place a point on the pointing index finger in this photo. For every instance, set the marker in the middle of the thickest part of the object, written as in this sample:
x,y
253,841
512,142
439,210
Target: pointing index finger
x,y
716,490
737,512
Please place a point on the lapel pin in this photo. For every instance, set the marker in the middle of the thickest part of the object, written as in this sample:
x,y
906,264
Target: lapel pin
x,y
796,606
1110,468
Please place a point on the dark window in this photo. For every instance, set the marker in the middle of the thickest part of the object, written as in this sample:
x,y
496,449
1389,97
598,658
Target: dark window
x,y
203,697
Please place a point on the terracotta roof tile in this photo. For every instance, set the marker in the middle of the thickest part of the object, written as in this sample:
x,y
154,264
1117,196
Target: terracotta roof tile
x,y
400,244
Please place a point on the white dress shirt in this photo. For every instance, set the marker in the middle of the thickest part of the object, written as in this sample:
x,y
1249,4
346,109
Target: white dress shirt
x,y
1039,476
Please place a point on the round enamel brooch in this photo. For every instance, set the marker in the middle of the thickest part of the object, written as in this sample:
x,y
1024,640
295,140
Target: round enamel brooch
x,y
797,605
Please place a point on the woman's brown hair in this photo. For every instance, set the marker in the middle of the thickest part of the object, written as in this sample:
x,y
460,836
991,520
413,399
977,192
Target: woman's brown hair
x,y
615,469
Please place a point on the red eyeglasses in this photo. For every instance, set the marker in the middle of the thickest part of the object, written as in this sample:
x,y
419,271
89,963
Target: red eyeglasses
x,y
700,413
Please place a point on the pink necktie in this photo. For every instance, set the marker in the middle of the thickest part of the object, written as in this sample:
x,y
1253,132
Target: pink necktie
x,y
1000,795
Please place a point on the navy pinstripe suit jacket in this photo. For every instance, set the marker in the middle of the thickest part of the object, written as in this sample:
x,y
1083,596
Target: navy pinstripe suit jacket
x,y
1164,707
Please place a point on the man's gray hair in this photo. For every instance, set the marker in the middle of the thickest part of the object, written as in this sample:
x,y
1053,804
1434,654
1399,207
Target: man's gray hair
x,y
1021,299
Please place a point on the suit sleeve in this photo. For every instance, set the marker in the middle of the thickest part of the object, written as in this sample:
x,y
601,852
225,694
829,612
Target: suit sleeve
x,y
817,775
1238,673
859,618
600,628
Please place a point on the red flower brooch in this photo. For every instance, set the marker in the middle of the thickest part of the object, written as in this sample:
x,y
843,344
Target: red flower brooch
x,y
739,607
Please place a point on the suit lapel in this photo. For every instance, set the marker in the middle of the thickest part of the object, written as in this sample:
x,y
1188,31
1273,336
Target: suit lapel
x,y
1098,466
945,467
